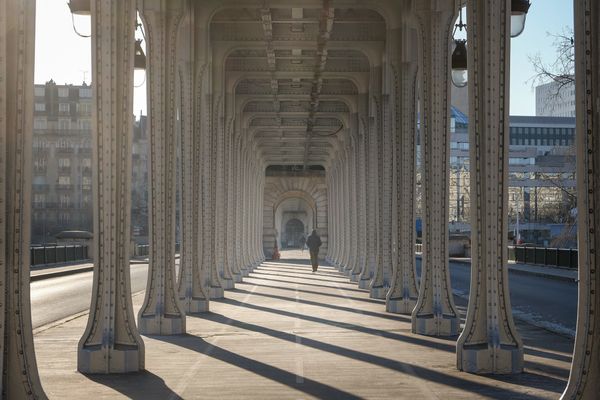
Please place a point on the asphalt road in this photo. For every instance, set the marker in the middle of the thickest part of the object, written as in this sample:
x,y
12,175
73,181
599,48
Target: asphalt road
x,y
542,301
57,298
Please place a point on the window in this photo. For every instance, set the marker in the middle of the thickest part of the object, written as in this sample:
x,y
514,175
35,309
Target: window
x,y
64,163
85,92
85,108
63,92
64,217
40,91
86,163
39,200
40,123
64,180
86,180
64,124
65,201
63,107
40,106
85,124
39,162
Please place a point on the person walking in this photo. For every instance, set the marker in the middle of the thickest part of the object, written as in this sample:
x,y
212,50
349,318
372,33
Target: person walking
x,y
314,242
303,242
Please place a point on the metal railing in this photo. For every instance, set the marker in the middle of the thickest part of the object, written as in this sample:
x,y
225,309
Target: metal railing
x,y
41,255
566,258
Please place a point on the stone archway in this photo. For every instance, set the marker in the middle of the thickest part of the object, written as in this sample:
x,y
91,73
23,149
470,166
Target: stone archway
x,y
279,190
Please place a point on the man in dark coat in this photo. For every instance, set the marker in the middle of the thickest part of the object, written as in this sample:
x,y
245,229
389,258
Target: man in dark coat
x,y
314,242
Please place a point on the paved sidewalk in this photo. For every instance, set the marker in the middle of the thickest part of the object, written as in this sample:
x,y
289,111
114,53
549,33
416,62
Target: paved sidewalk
x,y
286,333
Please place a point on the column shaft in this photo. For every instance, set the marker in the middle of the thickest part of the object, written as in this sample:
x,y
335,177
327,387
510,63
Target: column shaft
x,y
584,381
489,342
111,342
404,293
435,312
18,370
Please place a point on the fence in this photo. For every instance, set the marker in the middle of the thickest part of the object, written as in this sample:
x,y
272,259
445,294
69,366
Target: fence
x,y
143,250
544,256
566,258
58,254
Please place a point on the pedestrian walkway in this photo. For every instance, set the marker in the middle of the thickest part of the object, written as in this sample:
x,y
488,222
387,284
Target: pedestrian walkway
x,y
286,333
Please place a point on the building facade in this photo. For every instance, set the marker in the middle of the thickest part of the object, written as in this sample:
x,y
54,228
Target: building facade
x,y
62,163
554,100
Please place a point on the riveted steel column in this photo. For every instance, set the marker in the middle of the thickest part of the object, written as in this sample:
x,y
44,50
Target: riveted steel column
x,y
111,342
435,313
403,294
584,381
19,375
161,313
193,280
361,193
370,188
381,280
489,342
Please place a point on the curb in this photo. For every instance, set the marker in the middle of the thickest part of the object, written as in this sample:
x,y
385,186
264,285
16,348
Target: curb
x,y
72,271
56,274
520,271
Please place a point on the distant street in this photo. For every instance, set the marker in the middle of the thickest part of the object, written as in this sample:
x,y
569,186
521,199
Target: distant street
x,y
542,301
56,298
545,302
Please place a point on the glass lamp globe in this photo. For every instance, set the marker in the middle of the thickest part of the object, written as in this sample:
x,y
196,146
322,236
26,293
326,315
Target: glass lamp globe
x,y
518,15
459,64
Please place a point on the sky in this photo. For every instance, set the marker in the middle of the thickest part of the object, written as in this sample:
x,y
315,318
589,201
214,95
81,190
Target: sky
x,y
65,57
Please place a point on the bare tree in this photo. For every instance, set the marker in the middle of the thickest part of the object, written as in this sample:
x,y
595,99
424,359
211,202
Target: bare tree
x,y
562,69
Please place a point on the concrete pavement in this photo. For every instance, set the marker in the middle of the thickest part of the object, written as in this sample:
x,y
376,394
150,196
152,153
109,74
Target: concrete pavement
x,y
286,333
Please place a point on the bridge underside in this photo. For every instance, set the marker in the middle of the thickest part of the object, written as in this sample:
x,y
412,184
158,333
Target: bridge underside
x,y
314,102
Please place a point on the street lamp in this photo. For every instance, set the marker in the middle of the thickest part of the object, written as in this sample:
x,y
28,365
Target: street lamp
x,y
459,56
80,7
459,63
518,14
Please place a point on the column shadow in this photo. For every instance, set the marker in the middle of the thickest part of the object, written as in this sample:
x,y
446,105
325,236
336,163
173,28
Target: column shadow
x,y
307,284
394,317
363,329
308,386
485,389
142,385
310,277
366,300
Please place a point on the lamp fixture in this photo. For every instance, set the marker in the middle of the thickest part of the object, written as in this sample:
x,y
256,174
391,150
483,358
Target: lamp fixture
x,y
79,7
459,56
518,14
139,60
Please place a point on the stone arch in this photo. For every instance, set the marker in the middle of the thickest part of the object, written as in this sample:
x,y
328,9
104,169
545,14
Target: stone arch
x,y
311,189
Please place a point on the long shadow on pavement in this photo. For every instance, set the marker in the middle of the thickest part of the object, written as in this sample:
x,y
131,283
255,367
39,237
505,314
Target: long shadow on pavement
x,y
394,317
309,284
373,301
143,385
308,386
358,328
491,391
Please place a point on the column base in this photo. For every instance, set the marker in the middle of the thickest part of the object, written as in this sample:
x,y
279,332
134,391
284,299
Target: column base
x,y
194,306
216,292
227,284
433,325
237,278
354,277
122,359
364,283
483,359
379,292
162,325
400,306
